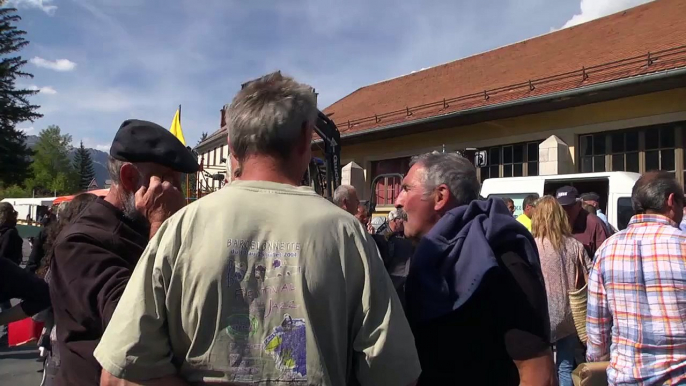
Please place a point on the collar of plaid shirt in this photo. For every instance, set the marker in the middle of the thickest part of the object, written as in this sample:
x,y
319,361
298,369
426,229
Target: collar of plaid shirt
x,y
652,218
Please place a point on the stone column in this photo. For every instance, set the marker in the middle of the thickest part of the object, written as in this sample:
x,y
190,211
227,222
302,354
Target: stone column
x,y
554,157
353,174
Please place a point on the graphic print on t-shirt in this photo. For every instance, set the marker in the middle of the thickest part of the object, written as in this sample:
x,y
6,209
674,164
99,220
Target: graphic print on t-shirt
x,y
288,345
266,323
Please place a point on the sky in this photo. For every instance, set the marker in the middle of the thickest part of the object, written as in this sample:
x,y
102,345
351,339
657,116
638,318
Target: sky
x,y
97,63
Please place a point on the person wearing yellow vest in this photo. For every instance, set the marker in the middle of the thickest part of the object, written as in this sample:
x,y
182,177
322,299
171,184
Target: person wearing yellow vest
x,y
528,207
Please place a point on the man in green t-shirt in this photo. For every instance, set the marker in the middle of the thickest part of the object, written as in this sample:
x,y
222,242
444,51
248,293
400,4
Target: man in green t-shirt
x,y
263,282
528,208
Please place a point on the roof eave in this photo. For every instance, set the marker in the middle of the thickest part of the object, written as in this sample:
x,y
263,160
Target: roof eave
x,y
659,81
211,142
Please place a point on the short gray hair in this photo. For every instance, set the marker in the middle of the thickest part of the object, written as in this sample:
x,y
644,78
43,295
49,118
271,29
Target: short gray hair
x,y
450,169
651,191
268,114
341,193
114,169
128,198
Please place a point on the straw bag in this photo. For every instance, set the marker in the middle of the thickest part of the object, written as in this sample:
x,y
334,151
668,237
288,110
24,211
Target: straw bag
x,y
590,374
579,297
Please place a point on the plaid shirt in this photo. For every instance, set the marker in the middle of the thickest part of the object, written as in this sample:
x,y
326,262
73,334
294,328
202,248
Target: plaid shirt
x,y
637,304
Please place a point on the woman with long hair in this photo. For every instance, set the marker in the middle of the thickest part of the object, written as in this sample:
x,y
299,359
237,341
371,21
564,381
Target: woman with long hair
x,y
65,212
47,342
559,253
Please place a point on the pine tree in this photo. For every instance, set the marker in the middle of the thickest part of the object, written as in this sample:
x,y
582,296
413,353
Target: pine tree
x,y
14,104
83,165
51,167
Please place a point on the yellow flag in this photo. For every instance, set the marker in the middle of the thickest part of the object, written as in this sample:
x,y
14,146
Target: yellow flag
x,y
176,128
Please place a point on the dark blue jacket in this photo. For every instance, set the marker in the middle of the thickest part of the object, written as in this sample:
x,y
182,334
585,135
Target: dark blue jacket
x,y
451,260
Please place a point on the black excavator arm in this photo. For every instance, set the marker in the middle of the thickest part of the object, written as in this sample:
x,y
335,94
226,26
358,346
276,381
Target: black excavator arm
x,y
325,176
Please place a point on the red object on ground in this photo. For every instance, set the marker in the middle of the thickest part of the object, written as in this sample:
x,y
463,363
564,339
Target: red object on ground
x,y
23,331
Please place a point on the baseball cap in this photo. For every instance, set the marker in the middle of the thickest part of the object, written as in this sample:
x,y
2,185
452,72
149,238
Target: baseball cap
x,y
567,195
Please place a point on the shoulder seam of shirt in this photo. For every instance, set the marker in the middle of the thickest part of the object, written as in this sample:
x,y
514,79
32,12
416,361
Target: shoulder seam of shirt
x,y
289,192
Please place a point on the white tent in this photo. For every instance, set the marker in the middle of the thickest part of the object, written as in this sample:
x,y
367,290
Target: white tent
x,y
29,206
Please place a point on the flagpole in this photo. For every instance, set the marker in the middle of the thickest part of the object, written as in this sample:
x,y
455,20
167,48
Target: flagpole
x,y
188,187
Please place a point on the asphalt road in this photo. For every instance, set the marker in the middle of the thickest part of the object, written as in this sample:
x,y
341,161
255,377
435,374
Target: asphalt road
x,y
20,366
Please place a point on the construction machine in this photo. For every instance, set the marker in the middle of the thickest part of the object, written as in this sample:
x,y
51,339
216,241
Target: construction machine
x,y
324,175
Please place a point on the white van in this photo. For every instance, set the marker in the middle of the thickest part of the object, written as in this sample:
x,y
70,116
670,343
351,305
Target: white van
x,y
614,189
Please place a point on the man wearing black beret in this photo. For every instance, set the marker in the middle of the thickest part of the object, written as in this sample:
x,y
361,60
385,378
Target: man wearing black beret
x,y
95,255
246,287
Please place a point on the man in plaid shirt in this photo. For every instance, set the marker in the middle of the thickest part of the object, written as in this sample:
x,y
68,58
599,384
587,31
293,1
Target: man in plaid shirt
x,y
637,291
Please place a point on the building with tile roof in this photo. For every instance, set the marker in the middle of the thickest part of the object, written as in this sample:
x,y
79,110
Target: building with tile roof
x,y
610,92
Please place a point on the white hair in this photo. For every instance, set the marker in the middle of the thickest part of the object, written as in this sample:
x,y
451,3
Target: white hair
x,y
450,169
342,193
128,198
267,116
114,169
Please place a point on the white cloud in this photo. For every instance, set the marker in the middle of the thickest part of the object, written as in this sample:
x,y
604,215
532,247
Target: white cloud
x,y
57,65
26,130
93,144
48,90
594,9
43,90
110,100
43,5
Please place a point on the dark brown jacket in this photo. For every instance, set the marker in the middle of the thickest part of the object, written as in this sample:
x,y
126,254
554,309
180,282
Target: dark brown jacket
x,y
93,260
590,231
11,244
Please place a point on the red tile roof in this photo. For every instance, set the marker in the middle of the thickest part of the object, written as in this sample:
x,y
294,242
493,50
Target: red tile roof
x,y
641,40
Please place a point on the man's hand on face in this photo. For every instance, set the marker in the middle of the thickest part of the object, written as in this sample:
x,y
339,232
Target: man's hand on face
x,y
158,201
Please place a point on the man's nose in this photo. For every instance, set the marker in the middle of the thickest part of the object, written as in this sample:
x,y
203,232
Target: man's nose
x,y
400,201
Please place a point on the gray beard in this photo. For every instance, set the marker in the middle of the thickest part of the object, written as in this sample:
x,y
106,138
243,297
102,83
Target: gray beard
x,y
130,211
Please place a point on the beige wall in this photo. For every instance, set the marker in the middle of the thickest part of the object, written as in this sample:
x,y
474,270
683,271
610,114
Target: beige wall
x,y
567,124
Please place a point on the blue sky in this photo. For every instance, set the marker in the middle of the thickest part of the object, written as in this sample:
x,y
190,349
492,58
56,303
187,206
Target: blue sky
x,y
99,62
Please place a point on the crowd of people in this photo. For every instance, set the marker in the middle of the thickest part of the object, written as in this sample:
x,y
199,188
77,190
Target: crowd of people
x,y
265,282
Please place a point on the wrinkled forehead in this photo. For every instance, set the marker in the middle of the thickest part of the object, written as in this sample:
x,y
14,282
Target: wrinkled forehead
x,y
415,176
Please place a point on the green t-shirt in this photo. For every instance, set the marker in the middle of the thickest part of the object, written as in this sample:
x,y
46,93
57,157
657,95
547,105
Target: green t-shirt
x,y
261,283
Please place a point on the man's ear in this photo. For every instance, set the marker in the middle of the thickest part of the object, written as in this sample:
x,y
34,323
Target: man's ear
x,y
441,197
129,177
305,138
671,200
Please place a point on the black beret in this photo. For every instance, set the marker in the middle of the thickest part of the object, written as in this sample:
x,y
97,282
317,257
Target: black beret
x,y
143,141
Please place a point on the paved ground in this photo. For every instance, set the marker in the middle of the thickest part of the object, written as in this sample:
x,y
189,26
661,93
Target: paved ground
x,y
20,366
